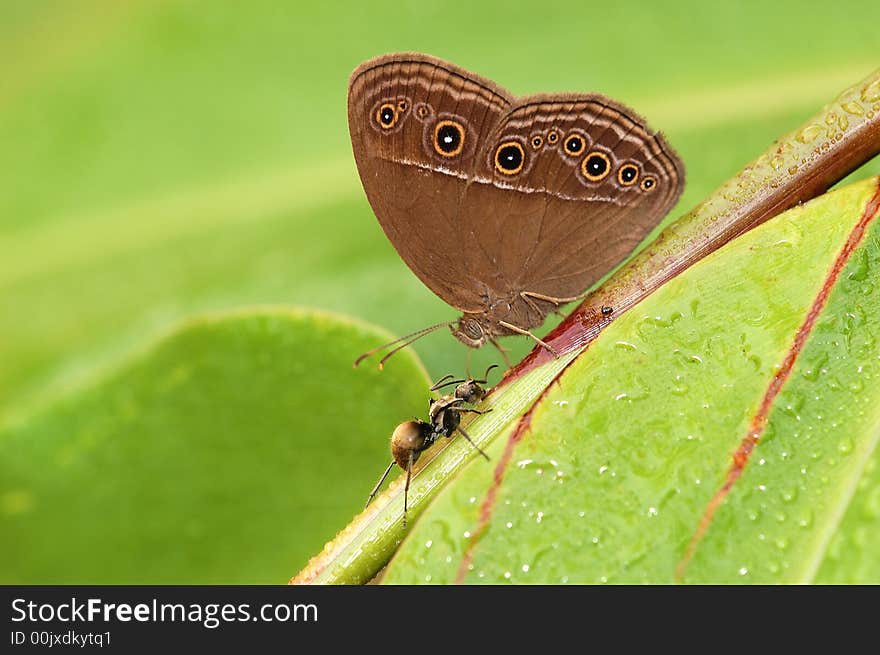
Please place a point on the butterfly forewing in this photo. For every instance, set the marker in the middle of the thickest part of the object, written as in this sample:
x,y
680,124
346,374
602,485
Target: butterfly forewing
x,y
417,126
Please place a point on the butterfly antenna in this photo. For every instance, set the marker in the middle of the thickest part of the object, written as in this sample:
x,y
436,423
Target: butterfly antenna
x,y
404,341
415,336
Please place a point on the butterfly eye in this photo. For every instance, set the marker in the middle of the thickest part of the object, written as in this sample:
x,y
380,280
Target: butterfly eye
x,y
537,141
574,145
553,137
402,106
648,183
448,138
422,110
628,174
509,158
595,166
386,116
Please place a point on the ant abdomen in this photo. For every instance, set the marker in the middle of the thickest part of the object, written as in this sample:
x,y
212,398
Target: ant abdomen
x,y
408,441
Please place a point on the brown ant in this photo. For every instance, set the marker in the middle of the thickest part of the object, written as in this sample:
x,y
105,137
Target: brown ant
x,y
411,438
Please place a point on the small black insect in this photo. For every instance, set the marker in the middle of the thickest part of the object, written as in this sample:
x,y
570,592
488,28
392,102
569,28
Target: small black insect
x,y
411,438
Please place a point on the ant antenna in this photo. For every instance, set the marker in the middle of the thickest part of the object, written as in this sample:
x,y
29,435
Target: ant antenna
x,y
486,374
403,341
439,384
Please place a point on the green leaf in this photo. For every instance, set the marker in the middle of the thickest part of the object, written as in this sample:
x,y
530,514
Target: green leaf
x,y
611,475
227,452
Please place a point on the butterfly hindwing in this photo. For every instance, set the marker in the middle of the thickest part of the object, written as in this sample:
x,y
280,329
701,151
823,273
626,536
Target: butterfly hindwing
x,y
591,183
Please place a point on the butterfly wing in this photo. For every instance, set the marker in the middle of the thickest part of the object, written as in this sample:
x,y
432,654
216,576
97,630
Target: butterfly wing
x,y
418,126
485,196
566,187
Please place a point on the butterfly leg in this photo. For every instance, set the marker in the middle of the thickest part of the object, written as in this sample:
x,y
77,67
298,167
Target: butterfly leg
x,y
503,351
526,333
528,295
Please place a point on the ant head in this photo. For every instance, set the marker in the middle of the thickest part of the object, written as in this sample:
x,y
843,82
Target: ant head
x,y
470,390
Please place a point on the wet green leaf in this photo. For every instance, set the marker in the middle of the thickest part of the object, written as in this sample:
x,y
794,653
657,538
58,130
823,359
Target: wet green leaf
x,y
613,473
227,452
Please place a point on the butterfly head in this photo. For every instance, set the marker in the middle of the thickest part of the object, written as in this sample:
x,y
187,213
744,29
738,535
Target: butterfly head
x,y
470,330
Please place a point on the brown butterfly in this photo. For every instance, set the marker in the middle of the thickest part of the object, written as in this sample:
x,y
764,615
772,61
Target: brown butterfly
x,y
504,207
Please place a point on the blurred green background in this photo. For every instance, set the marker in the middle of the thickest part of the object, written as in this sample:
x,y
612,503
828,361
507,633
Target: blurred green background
x,y
160,159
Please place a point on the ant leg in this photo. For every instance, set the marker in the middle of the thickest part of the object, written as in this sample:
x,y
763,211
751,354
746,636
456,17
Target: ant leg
x,y
471,442
468,409
379,484
406,488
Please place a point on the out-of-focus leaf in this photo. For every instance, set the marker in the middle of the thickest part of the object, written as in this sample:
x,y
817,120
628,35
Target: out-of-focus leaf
x,y
227,452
